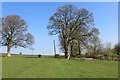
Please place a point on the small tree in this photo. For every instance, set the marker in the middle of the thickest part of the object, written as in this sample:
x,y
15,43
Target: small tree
x,y
94,46
108,50
14,33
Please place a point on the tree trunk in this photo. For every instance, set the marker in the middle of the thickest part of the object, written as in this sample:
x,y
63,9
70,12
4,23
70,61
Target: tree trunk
x,y
66,51
67,55
79,47
79,51
72,50
65,46
8,49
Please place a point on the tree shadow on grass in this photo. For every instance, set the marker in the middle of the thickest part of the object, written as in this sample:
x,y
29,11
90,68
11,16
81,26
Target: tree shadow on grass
x,y
31,57
76,59
57,58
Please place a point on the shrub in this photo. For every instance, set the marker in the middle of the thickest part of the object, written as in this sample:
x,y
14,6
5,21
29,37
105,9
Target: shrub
x,y
90,56
57,55
82,55
20,52
114,55
99,56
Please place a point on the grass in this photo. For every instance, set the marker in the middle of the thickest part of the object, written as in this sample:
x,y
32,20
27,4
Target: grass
x,y
22,67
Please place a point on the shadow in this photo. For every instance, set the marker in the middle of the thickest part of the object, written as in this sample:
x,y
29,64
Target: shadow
x,y
76,59
60,57
31,57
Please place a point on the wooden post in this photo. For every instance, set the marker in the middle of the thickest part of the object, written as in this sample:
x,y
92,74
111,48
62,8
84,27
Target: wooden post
x,y
54,47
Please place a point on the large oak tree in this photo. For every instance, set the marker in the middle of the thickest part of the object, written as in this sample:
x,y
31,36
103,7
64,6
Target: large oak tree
x,y
14,33
68,20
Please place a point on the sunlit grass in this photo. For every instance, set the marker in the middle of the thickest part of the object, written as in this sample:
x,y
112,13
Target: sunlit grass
x,y
24,67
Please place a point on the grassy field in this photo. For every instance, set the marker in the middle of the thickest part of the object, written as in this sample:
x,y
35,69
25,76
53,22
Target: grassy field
x,y
22,67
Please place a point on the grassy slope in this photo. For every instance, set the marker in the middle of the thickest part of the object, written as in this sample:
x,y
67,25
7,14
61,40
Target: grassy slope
x,y
17,67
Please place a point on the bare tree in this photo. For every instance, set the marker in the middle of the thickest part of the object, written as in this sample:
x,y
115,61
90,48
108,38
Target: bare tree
x,y
67,20
14,33
92,35
108,49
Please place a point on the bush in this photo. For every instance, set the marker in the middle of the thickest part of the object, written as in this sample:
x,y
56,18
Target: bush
x,y
90,56
20,52
57,55
82,55
114,55
86,54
